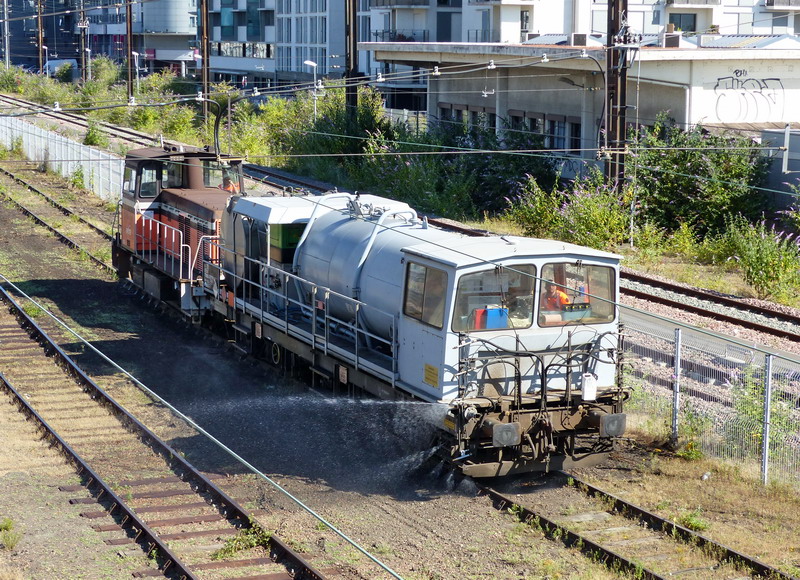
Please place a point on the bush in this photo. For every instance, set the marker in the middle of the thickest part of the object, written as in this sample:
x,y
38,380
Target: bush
x,y
594,214
95,137
535,210
769,259
668,162
64,73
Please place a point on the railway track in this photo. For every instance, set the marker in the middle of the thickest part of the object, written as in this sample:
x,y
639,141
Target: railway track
x,y
624,536
159,500
613,539
88,232
129,135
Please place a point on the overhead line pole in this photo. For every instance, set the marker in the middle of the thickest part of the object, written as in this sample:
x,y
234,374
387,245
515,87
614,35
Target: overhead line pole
x,y
40,34
204,50
351,58
129,34
6,57
616,90
82,26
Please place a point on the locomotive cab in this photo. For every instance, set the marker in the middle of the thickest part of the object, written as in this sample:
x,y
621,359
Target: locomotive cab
x,y
524,348
171,207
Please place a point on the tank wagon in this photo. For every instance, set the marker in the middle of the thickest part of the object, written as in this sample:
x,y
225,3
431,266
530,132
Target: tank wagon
x,y
516,338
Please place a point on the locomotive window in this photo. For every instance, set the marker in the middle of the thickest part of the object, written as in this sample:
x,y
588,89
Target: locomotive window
x,y
148,182
214,172
426,291
495,299
574,293
174,174
129,183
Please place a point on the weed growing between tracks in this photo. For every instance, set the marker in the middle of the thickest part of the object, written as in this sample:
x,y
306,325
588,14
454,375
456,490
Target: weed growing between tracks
x,y
248,538
9,537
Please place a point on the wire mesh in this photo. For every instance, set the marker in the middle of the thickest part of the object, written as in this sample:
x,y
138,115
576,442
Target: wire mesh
x,y
716,395
84,166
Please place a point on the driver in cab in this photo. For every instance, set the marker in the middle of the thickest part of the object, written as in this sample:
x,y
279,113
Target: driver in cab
x,y
554,297
228,184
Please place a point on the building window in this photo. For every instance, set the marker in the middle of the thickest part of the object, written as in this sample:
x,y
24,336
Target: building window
x,y
575,138
557,131
226,23
518,123
684,22
253,20
780,23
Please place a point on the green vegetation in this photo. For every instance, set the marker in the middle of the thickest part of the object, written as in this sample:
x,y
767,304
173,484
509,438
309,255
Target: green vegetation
x,y
692,520
95,137
246,539
9,537
691,196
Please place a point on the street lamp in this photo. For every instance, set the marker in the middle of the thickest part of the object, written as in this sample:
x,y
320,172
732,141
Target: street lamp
x,y
88,64
46,61
313,66
136,64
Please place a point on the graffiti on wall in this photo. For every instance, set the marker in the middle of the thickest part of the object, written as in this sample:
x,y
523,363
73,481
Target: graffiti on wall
x,y
742,99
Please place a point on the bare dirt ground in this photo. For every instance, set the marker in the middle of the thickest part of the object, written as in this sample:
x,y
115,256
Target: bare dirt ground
x,y
352,461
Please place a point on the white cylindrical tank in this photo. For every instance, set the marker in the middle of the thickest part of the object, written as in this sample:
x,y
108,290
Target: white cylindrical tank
x,y
360,257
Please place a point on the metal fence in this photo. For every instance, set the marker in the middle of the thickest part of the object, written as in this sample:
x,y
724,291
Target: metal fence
x,y
98,171
726,399
416,121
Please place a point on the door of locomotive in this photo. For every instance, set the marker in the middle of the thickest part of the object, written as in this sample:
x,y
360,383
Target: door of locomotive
x,y
423,328
140,189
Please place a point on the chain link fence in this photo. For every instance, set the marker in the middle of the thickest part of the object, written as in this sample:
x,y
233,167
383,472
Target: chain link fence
x,y
84,166
720,397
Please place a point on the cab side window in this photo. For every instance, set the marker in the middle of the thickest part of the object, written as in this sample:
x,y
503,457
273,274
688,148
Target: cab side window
x,y
129,183
425,294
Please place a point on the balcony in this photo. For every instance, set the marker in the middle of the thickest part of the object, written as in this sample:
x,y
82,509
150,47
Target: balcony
x,y
483,36
400,35
398,3
694,2
783,4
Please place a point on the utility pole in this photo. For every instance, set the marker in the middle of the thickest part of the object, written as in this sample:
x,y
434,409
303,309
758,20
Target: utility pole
x,y
616,92
204,50
40,34
129,37
351,58
83,25
6,57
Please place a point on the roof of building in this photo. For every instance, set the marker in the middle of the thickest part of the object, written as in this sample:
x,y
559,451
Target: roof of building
x,y
762,41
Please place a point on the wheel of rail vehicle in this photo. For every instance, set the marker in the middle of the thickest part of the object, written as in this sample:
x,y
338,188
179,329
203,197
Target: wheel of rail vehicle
x,y
276,354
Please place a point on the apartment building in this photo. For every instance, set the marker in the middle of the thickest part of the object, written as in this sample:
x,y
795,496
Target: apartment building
x,y
540,65
267,43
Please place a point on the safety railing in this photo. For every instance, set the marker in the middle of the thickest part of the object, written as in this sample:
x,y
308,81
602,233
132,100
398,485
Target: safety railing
x,y
329,322
162,246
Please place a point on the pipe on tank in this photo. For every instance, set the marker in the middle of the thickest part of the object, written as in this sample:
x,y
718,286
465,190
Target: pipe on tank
x,y
311,220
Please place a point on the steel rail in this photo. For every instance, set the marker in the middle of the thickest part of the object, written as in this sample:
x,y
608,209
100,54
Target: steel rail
x,y
571,539
227,505
131,135
65,210
62,237
611,558
658,523
779,332
131,522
